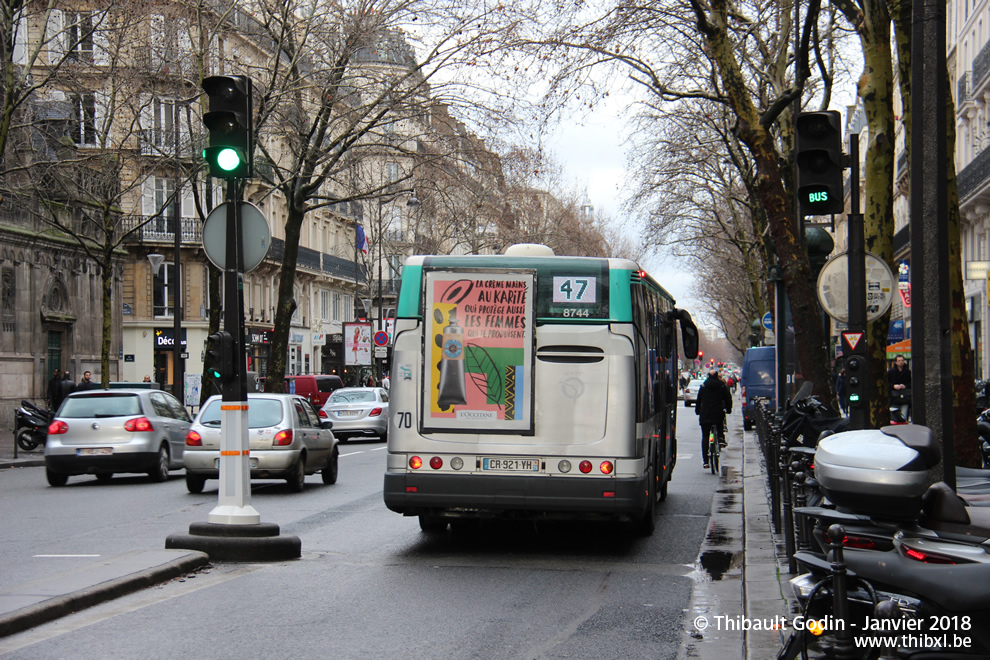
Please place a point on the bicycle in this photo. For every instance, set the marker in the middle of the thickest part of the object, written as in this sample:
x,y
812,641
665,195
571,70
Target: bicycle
x,y
714,449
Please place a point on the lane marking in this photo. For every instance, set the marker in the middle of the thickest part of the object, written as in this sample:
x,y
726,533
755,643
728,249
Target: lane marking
x,y
66,555
379,448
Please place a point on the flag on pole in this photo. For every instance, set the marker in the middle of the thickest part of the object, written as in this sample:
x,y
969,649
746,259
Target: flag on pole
x,y
362,239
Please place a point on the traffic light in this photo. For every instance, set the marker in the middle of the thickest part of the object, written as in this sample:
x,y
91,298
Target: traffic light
x,y
819,163
856,380
231,124
223,366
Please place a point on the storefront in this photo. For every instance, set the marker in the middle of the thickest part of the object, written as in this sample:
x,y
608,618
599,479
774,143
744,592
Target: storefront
x,y
259,350
164,354
332,355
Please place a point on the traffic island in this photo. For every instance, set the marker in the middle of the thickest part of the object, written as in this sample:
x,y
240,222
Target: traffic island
x,y
244,543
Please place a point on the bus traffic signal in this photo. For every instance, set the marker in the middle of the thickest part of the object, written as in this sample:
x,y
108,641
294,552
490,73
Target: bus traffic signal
x,y
819,163
223,366
230,154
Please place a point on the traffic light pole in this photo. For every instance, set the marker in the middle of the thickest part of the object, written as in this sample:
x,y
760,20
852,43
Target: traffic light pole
x,y
234,506
857,364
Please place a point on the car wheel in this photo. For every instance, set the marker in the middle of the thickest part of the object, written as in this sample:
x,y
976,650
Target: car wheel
x,y
329,473
432,524
56,479
25,440
195,483
160,471
297,480
104,476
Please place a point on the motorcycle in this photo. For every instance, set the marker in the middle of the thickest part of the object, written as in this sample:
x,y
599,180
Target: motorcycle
x,y
807,418
983,429
31,425
922,549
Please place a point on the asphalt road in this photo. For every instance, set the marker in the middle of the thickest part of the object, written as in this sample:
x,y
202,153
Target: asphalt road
x,y
370,583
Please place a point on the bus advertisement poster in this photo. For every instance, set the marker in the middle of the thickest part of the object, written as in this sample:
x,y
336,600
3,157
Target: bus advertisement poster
x,y
357,344
479,371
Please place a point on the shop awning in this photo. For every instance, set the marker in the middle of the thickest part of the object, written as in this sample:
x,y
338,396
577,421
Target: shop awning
x,y
900,348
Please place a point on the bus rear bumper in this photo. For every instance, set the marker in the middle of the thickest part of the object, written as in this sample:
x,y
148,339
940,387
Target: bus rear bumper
x,y
509,496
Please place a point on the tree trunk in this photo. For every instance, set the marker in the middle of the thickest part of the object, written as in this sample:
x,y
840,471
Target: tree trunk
x,y
812,352
286,305
876,90
106,280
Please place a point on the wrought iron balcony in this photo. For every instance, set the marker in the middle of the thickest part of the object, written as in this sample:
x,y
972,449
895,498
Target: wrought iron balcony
x,y
160,229
974,175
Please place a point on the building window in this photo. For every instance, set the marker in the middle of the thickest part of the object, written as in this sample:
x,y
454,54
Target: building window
x,y
166,283
79,35
348,308
83,128
337,304
324,305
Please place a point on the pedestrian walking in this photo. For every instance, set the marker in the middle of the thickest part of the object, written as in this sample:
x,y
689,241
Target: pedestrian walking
x,y
714,401
87,383
66,386
52,398
899,382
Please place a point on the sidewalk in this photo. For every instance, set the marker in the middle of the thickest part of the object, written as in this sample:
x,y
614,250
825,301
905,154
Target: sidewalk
x,y
23,458
751,583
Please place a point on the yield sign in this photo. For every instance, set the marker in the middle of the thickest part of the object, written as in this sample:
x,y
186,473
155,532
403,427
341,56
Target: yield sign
x,y
852,339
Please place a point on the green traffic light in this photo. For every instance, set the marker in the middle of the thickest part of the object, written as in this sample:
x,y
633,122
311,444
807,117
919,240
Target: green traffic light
x,y
228,159
854,397
215,373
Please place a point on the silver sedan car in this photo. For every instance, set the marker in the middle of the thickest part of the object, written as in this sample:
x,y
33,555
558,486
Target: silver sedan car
x,y
358,412
106,431
691,392
286,439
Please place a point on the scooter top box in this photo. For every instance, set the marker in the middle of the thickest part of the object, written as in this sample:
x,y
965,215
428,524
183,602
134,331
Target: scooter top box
x,y
878,472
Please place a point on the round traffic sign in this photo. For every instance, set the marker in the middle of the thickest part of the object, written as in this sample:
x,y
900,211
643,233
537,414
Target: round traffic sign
x,y
767,321
833,287
381,338
256,237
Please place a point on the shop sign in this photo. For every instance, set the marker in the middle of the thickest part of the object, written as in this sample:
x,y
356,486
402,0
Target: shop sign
x,y
164,338
319,338
295,338
260,337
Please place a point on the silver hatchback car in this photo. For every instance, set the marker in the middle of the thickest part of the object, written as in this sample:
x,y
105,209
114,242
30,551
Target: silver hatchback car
x,y
106,431
286,439
358,412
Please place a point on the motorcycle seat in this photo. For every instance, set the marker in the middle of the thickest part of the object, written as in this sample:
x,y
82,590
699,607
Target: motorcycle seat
x,y
944,512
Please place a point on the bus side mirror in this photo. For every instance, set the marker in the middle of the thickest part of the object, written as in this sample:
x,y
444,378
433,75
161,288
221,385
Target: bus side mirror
x,y
689,332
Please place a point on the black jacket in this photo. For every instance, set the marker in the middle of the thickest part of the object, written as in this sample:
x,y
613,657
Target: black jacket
x,y
899,377
713,398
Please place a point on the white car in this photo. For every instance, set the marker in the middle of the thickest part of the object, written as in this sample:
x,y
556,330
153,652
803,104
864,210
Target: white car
x,y
286,438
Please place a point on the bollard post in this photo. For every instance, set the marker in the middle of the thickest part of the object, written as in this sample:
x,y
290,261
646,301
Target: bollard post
x,y
840,601
887,609
788,510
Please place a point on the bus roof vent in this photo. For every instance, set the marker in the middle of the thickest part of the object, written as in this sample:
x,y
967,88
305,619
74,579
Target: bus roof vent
x,y
528,250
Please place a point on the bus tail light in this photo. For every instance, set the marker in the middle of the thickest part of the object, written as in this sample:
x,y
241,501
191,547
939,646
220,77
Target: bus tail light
x,y
564,466
457,462
585,467
606,467
415,462
436,462
608,493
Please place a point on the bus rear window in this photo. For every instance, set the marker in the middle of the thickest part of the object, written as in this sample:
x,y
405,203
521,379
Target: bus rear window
x,y
571,291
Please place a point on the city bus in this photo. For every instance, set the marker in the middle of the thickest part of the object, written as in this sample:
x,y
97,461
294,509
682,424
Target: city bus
x,y
532,386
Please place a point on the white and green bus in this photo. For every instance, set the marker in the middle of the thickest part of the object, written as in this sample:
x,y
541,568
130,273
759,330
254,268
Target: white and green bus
x,y
532,386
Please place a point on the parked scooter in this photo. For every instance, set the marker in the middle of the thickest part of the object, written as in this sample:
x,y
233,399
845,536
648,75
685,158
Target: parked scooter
x,y
31,425
921,548
983,429
806,418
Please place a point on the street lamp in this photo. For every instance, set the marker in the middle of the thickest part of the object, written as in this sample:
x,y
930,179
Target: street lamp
x,y
413,202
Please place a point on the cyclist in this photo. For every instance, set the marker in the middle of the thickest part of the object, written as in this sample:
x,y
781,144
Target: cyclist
x,y
714,401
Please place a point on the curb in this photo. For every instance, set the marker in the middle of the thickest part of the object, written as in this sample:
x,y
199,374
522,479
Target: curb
x,y
101,591
21,462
